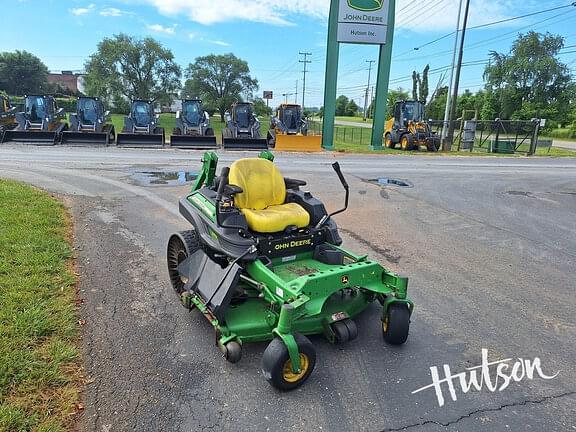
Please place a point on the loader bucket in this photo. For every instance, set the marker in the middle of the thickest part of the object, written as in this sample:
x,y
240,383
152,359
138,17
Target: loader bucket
x,y
193,142
88,138
140,140
244,143
33,137
298,143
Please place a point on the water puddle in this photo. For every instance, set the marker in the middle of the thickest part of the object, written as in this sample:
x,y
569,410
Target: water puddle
x,y
386,181
168,178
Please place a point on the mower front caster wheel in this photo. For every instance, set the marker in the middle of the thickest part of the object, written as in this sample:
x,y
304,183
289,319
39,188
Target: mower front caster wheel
x,y
345,330
233,352
277,367
396,324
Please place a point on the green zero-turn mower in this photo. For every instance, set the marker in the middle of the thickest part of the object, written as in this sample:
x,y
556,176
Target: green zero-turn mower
x,y
263,261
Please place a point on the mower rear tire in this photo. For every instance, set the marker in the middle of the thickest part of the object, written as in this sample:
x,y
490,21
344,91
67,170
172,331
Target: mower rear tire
x,y
396,324
277,367
180,246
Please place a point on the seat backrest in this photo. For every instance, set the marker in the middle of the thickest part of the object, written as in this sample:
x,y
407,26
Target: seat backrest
x,y
261,182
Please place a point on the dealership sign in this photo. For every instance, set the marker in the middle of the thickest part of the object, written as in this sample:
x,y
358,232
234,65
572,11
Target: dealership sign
x,y
363,21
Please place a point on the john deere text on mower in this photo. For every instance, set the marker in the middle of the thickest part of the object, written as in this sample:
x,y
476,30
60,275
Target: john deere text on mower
x,y
262,261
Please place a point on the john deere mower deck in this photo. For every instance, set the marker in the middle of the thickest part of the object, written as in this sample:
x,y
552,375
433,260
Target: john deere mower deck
x,y
263,261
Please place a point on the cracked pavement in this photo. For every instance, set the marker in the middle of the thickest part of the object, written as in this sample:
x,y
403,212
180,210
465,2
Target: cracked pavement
x,y
489,245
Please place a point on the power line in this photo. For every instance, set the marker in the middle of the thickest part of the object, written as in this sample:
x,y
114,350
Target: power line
x,y
573,4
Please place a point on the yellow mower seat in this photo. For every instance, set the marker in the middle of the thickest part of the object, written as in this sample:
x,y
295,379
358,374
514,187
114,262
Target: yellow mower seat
x,y
263,197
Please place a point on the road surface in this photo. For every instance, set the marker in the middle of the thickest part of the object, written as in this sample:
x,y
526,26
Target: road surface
x,y
489,245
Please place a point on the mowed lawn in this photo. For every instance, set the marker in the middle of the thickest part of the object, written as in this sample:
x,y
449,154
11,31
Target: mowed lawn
x,y
40,372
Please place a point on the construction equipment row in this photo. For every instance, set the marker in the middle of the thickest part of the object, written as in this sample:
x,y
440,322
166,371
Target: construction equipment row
x,y
43,123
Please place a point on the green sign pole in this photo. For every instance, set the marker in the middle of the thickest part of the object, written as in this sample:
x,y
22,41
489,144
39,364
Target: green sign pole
x,y
331,78
383,80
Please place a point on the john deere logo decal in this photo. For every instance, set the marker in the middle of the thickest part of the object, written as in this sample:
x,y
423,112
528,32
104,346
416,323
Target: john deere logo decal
x,y
366,5
345,280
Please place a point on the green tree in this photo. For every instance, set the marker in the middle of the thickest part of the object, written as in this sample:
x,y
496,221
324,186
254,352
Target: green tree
x,y
437,105
351,109
415,81
341,104
260,108
424,85
126,67
531,81
22,72
220,80
491,107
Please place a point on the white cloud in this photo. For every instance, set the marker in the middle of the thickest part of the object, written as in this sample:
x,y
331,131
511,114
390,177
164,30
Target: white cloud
x,y
158,28
83,10
218,42
285,12
112,12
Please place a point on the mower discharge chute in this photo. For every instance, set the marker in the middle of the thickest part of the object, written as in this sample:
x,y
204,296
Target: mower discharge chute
x,y
409,128
289,131
242,131
41,123
90,124
141,127
262,261
193,128
7,115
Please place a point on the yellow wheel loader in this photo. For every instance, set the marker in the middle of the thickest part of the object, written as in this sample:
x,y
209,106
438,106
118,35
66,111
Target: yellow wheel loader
x,y
409,129
7,115
289,131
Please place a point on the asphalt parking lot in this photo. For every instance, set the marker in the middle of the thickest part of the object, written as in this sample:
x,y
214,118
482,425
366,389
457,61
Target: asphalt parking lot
x,y
489,245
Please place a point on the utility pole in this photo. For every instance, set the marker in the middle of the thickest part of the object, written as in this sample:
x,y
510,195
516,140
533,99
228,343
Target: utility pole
x,y
449,95
371,102
305,61
286,96
296,97
450,137
367,87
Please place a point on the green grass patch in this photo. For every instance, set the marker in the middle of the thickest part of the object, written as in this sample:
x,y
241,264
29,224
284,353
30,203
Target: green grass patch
x,y
39,358
354,119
